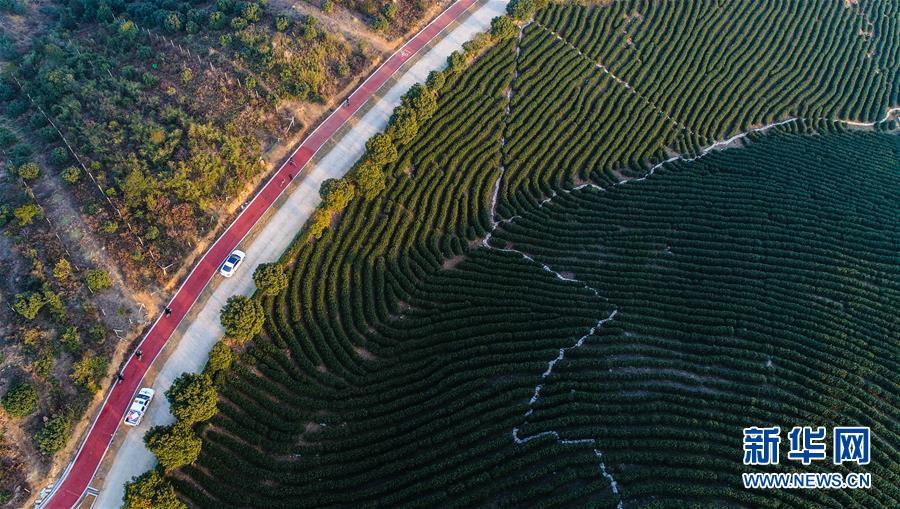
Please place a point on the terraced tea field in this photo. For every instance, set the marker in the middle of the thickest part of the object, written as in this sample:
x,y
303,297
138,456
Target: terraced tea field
x,y
520,319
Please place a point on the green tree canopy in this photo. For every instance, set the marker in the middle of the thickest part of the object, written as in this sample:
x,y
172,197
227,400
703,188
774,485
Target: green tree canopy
x,y
503,28
193,398
174,446
21,400
98,279
370,179
88,371
26,214
337,193
29,304
220,358
62,270
151,491
242,317
29,171
54,435
270,278
381,149
404,125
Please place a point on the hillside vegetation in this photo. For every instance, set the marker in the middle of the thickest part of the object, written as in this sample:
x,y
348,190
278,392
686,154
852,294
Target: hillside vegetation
x,y
130,134
521,318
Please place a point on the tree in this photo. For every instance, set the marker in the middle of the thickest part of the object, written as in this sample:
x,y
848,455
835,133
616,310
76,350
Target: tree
x,y
456,62
337,193
29,304
435,81
404,125
151,490
174,446
242,317
421,100
135,186
29,171
98,279
27,213
220,358
270,278
524,9
54,435
88,370
381,150
370,179
62,271
59,156
193,398
21,400
320,222
503,28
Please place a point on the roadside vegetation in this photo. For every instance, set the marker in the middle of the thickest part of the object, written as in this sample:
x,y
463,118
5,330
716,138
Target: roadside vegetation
x,y
511,295
130,133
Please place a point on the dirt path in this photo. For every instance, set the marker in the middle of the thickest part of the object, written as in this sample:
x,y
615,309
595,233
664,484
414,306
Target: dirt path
x,y
340,20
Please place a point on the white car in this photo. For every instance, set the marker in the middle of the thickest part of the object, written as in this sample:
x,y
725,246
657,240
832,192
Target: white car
x,y
139,406
232,263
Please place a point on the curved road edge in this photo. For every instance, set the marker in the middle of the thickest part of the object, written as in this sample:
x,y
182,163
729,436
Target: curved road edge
x,y
77,476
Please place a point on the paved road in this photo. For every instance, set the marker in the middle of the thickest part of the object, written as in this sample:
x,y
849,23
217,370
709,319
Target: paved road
x,y
268,245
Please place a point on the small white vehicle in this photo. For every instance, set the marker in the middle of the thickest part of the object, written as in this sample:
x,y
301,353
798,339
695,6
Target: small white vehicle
x,y
232,263
139,406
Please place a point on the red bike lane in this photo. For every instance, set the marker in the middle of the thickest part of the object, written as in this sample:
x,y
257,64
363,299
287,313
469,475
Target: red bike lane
x,y
80,472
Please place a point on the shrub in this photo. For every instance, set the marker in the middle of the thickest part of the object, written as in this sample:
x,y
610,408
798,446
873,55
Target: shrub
x,y
71,175
173,446
270,278
98,279
54,434
62,271
29,304
389,10
193,398
29,171
242,317
252,12
88,370
21,400
151,490
26,214
59,156
380,24
282,22
71,338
